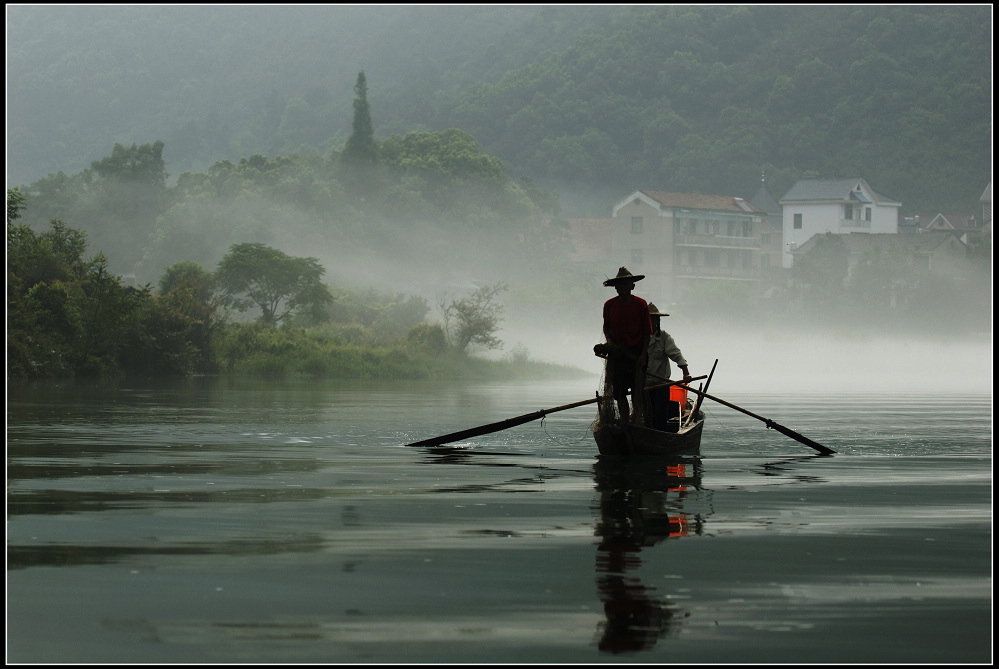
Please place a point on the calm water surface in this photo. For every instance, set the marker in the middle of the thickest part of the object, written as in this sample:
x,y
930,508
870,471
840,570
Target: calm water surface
x,y
213,521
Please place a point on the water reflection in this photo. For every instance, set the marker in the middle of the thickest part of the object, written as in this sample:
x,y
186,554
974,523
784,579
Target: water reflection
x,y
458,455
641,505
785,468
75,554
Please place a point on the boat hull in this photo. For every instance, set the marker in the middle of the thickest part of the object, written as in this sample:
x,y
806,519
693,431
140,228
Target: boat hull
x,y
630,440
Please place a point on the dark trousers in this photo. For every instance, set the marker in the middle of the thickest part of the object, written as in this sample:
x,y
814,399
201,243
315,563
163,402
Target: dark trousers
x,y
663,410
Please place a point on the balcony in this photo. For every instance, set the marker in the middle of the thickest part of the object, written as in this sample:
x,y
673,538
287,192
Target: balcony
x,y
854,224
717,241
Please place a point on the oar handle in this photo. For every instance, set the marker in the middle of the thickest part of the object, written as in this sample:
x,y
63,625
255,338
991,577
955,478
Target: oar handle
x,y
672,383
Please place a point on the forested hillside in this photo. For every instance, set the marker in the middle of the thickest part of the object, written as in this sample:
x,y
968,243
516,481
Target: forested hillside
x,y
591,101
699,99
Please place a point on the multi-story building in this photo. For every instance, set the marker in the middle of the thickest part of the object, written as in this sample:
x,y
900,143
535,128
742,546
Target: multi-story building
x,y
679,239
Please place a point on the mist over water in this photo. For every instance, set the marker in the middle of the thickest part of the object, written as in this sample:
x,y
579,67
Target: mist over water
x,y
751,356
768,360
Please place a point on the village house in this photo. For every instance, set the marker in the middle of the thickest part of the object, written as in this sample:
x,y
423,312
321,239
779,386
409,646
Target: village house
x,y
679,239
771,235
840,206
959,224
942,253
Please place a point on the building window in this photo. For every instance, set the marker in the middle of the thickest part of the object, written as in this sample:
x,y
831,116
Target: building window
x,y
637,225
636,257
867,213
765,238
797,221
848,212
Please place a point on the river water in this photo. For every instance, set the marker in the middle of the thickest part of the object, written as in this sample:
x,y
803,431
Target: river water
x,y
219,521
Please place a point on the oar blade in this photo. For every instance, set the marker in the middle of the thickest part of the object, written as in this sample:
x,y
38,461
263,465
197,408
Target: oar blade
x,y
478,431
769,423
500,425
800,438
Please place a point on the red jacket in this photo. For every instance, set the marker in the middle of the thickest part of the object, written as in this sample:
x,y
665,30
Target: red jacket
x,y
627,323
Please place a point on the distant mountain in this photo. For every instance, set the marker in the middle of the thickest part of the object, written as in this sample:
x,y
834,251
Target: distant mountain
x,y
594,101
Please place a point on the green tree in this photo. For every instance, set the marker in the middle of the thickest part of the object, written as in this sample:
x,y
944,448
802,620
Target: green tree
x,y
108,316
279,284
189,274
177,326
427,337
450,172
140,164
360,149
15,203
393,314
473,319
65,315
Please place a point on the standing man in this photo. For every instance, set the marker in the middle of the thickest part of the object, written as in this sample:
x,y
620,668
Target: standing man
x,y
627,327
662,349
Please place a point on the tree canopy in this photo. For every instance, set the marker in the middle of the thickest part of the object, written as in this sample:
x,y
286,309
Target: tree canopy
x,y
280,285
70,315
474,319
360,149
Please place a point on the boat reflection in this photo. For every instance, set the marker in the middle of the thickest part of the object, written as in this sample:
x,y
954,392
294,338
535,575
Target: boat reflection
x,y
641,505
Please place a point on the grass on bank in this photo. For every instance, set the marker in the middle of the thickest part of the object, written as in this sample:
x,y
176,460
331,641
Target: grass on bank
x,y
251,350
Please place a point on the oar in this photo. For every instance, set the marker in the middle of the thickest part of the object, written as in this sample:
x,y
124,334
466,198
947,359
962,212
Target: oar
x,y
700,398
501,425
800,438
512,422
666,382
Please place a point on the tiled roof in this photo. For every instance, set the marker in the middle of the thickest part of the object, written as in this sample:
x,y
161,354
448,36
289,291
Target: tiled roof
x,y
821,189
946,222
828,189
699,201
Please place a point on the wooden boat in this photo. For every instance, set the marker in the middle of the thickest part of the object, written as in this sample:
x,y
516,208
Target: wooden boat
x,y
678,431
617,438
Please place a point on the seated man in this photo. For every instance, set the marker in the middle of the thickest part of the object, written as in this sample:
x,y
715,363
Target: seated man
x,y
662,349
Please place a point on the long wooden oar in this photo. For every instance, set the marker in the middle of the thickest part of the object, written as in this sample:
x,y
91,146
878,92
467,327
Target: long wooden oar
x,y
512,422
800,438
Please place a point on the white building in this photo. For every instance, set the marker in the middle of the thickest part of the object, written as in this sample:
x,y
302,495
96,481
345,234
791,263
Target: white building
x,y
841,206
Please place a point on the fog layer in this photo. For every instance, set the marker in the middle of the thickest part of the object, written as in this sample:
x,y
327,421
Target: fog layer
x,y
774,361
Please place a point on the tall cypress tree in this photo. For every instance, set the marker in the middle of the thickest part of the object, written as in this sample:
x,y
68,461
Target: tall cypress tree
x,y
360,150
